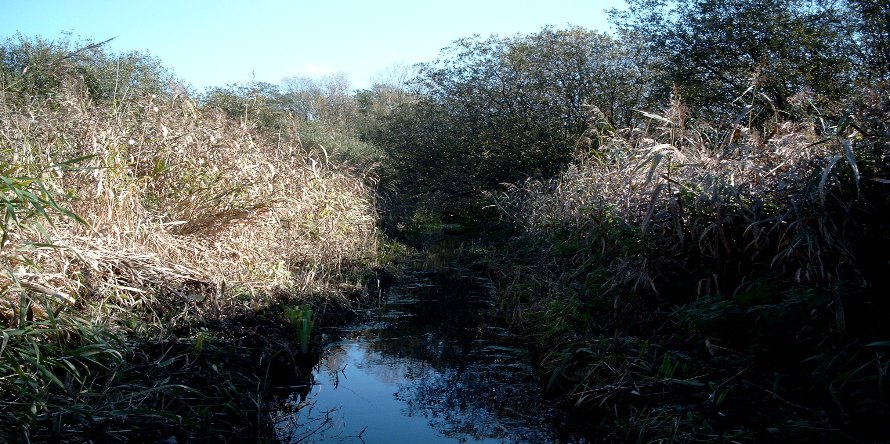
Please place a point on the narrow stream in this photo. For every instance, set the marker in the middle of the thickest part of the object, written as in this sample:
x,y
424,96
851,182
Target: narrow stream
x,y
432,363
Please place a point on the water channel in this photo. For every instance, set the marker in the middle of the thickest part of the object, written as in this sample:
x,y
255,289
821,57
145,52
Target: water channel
x,y
431,363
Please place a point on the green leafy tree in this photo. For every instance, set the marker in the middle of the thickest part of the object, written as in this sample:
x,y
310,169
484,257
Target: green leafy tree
x,y
715,50
34,67
870,22
498,110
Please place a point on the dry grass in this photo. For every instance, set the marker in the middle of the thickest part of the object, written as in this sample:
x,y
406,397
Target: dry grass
x,y
189,224
671,185
179,199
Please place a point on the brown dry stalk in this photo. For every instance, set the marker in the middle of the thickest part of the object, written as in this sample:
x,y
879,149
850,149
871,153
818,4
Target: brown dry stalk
x,y
174,194
692,195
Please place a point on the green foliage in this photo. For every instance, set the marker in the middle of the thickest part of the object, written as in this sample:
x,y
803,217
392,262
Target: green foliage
x,y
36,68
499,110
731,233
320,118
327,100
53,368
714,50
255,101
24,202
379,102
27,207
301,320
870,23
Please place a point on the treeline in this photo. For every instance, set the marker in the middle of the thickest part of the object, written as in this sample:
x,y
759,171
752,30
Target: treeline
x,y
501,109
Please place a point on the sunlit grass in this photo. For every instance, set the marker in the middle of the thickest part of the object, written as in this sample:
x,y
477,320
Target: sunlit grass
x,y
130,224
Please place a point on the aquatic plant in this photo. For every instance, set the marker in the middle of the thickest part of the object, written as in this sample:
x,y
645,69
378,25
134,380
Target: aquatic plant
x,y
301,319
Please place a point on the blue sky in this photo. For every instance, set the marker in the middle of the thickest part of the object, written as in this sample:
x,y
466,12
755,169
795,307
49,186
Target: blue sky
x,y
214,43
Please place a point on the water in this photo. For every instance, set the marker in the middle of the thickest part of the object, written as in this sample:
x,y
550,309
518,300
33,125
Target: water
x,y
433,363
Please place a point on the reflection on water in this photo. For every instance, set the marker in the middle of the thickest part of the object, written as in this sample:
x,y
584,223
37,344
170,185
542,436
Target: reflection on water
x,y
432,364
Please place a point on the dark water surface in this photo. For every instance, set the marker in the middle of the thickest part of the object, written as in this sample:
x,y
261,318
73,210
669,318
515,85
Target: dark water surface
x,y
432,363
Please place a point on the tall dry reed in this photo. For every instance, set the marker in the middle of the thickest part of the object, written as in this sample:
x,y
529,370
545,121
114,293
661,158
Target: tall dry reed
x,y
131,222
182,202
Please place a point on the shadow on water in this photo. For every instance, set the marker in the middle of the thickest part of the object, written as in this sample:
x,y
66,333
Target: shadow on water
x,y
431,363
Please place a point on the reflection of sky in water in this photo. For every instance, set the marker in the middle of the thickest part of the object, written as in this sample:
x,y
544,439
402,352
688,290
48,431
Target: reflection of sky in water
x,y
363,394
389,400
429,373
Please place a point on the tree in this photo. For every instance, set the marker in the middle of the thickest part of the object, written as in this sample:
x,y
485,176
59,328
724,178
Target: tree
x,y
871,33
258,101
505,109
715,50
38,68
388,93
328,99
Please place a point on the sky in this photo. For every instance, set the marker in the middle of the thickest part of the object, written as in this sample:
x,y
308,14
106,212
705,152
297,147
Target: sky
x,y
216,43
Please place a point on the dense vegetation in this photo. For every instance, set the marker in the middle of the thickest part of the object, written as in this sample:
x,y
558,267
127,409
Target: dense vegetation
x,y
687,220
150,246
693,213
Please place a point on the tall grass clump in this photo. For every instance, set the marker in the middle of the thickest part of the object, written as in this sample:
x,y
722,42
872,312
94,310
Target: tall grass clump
x,y
693,282
130,214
